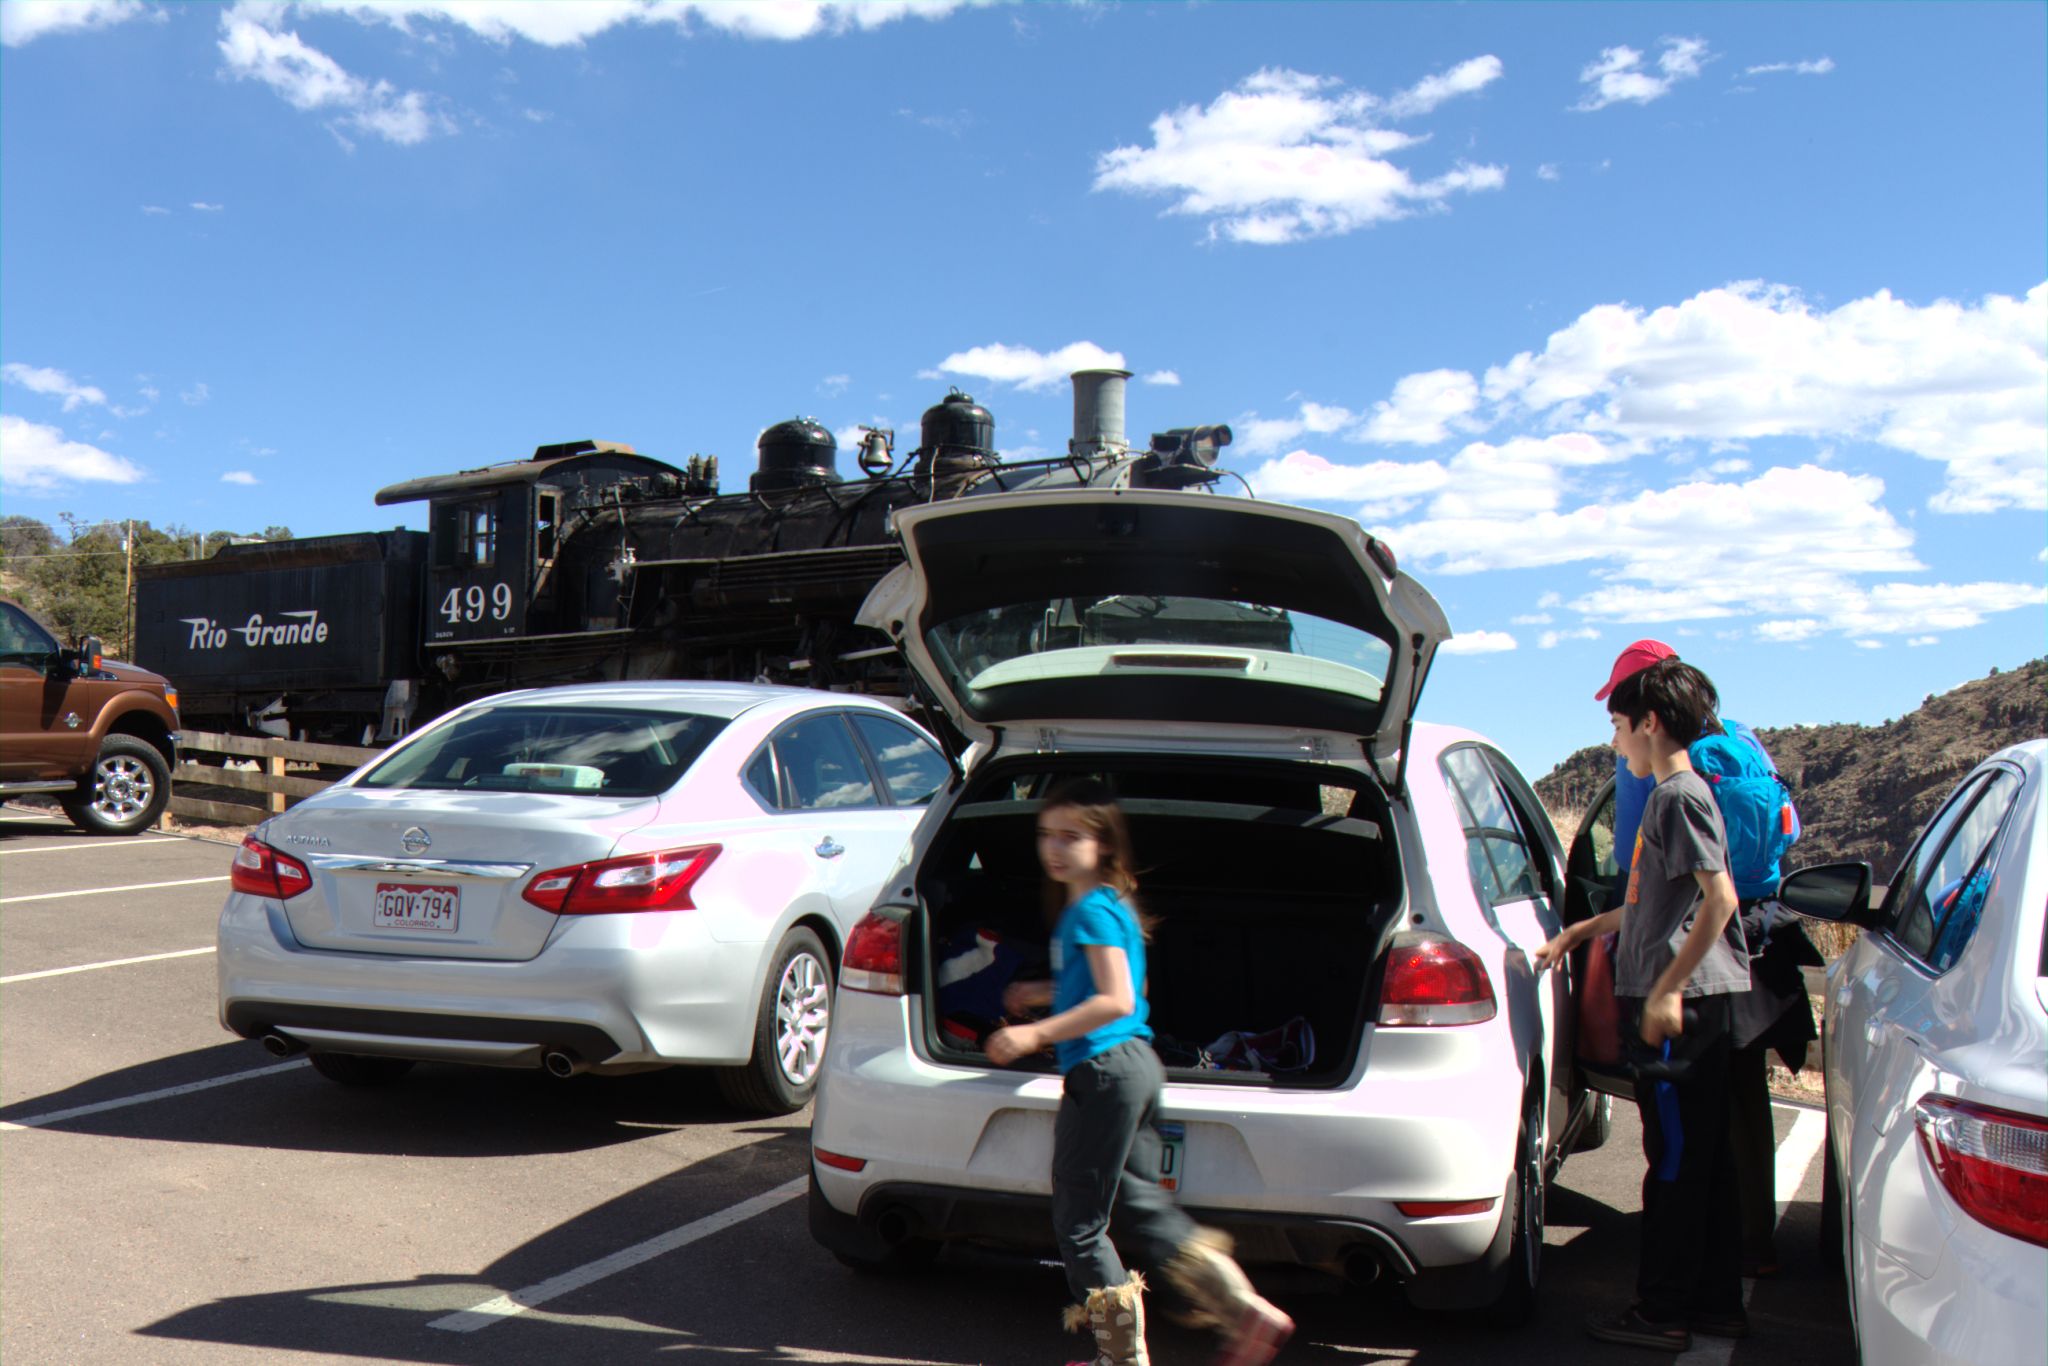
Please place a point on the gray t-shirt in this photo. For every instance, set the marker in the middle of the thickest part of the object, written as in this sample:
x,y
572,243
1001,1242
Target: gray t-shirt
x,y
1681,834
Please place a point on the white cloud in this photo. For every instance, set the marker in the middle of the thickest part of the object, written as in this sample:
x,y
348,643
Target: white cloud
x,y
568,25
1424,408
39,459
1548,171
195,396
1965,385
1477,643
1870,645
1549,640
1169,378
39,379
203,207
1550,600
1819,66
1733,466
1287,156
256,48
1386,487
1618,75
1025,368
1429,92
239,477
1924,640
24,21
1257,435
835,385
154,209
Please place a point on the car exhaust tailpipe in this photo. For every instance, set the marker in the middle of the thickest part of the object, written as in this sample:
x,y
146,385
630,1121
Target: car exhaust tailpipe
x,y
563,1064
896,1226
1361,1267
281,1045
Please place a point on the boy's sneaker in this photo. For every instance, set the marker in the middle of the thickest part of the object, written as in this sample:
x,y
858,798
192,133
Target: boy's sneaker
x,y
1732,1324
1630,1327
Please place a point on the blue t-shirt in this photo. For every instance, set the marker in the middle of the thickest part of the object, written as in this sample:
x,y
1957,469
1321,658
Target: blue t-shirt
x,y
1097,918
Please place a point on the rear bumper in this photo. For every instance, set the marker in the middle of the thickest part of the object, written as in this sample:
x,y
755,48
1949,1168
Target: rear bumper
x,y
604,989
1985,1301
1302,1177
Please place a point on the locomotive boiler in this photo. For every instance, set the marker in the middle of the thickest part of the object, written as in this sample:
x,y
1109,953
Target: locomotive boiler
x,y
590,561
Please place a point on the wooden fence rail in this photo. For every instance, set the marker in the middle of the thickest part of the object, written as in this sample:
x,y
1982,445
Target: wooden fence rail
x,y
273,779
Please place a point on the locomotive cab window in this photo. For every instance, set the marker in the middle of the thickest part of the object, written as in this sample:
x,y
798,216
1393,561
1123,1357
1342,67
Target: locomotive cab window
x,y
478,537
547,511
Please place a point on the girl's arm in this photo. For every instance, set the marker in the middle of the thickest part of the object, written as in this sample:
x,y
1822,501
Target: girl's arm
x,y
1114,998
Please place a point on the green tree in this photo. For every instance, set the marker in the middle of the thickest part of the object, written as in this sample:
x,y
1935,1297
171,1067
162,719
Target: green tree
x,y
21,535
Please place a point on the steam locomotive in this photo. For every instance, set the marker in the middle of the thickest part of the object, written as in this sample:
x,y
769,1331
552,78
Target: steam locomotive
x,y
591,561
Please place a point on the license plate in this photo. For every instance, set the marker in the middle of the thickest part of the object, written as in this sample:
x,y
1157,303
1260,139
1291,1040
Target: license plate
x,y
406,906
1173,1142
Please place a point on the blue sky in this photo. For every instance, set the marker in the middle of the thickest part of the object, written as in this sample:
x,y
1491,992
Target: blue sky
x,y
1722,324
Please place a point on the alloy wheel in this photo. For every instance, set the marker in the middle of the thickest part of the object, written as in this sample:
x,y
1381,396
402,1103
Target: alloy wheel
x,y
122,787
803,1014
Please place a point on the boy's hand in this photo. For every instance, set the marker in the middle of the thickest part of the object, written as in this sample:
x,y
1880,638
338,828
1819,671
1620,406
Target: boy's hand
x,y
1012,1042
1663,1018
1553,953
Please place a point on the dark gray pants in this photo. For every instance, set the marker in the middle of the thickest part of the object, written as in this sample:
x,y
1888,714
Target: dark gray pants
x,y
1105,1170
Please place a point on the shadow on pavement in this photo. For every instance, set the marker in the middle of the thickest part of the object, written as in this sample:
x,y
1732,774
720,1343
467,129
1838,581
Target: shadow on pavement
x,y
434,1111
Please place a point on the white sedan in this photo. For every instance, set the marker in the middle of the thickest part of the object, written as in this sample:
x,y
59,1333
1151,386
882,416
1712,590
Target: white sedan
x,y
1936,1039
599,877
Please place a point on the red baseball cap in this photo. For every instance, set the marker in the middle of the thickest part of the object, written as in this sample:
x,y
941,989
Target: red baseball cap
x,y
1634,660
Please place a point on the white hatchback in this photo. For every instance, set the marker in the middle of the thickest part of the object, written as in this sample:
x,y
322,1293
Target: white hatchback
x,y
1364,1075
1935,1034
601,877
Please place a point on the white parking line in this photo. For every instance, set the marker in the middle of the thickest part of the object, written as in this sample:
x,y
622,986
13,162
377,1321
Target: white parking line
x,y
110,963
100,891
503,1307
96,844
1795,1155
76,1111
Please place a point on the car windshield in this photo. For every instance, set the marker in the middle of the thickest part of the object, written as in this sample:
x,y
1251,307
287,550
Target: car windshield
x,y
1144,633
586,751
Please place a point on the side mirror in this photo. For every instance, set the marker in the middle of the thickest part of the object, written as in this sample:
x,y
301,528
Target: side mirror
x,y
87,658
1838,892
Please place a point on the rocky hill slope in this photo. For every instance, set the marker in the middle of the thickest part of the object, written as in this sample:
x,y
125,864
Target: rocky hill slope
x,y
1865,791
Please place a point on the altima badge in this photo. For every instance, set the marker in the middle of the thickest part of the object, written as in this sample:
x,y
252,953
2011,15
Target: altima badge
x,y
415,841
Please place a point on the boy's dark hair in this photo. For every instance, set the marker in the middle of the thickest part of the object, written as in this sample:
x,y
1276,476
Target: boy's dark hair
x,y
1681,697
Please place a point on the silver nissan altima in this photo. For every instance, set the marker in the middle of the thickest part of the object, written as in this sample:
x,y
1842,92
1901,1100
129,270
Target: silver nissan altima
x,y
598,877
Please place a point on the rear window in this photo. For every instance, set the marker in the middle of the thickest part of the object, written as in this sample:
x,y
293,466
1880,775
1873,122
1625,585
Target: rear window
x,y
582,751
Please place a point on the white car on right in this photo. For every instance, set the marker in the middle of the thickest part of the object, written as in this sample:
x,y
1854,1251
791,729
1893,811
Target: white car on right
x,y
1935,1039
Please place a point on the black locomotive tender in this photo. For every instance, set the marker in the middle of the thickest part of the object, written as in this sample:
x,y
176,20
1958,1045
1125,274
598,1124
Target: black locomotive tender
x,y
590,561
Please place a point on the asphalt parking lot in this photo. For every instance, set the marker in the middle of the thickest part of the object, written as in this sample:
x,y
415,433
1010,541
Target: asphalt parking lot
x,y
169,1193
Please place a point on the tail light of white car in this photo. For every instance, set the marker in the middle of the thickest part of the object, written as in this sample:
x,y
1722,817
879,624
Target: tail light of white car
x,y
1431,980
261,870
638,882
1993,1162
873,960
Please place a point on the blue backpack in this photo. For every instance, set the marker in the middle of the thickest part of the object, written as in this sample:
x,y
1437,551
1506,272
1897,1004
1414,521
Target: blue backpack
x,y
1756,805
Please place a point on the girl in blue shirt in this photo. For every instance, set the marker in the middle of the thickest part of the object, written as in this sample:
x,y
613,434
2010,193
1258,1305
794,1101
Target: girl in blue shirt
x,y
1106,1150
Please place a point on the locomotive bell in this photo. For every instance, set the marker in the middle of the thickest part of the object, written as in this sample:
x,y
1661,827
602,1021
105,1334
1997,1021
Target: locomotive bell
x,y
956,435
795,454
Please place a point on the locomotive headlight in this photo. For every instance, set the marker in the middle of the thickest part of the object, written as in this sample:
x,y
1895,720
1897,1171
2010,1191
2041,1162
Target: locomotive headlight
x,y
1204,443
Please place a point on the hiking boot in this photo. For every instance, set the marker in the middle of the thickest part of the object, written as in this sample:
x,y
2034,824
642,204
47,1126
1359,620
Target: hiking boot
x,y
1116,1316
1630,1327
1253,1329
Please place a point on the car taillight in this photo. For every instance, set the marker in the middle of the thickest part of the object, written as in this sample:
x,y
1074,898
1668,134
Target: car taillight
x,y
1431,980
1993,1162
261,870
638,882
873,960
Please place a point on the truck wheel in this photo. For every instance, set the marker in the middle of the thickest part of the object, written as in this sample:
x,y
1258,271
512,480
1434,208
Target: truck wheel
x,y
789,1031
129,786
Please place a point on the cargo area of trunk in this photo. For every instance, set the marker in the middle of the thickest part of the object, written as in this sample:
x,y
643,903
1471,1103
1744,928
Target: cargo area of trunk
x,y
1275,889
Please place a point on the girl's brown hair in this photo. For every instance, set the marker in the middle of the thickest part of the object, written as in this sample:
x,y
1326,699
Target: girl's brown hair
x,y
1091,800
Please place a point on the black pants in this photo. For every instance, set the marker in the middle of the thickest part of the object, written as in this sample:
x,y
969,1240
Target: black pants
x,y
1691,1261
1105,1169
1754,1143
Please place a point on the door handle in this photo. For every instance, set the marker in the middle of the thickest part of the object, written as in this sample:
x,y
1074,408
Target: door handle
x,y
829,848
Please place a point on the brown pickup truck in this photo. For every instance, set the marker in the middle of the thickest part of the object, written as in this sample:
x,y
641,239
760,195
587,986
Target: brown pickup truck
x,y
101,737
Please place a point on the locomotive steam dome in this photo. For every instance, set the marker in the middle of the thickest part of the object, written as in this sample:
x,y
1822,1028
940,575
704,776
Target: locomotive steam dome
x,y
957,434
795,454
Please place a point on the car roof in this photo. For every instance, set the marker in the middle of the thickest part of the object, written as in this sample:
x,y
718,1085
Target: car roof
x,y
726,700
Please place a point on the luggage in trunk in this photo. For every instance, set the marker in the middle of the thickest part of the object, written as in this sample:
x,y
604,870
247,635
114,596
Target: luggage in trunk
x,y
1274,893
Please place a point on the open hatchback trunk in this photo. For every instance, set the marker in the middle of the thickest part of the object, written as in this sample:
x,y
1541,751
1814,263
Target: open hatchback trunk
x,y
1047,620
1272,885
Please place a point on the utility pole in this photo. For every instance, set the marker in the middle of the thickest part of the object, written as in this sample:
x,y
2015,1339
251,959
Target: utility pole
x,y
128,591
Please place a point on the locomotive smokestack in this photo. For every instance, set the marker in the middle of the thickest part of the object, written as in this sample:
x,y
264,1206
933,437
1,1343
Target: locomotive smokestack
x,y
1098,413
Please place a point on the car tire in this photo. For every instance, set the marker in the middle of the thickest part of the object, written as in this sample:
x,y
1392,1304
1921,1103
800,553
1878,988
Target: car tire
x,y
357,1069
1516,1301
1599,1125
128,788
789,1031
